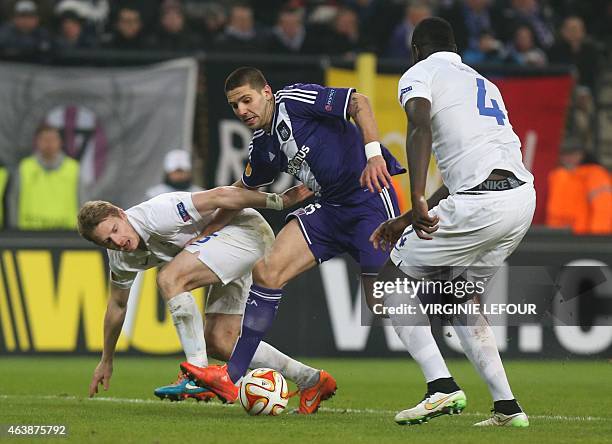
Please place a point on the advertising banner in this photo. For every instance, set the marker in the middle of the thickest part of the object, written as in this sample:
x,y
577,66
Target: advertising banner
x,y
53,299
117,122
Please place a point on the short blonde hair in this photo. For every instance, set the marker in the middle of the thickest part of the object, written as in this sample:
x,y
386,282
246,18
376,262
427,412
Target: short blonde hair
x,y
91,214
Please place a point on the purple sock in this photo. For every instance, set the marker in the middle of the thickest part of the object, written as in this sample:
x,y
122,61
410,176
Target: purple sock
x,y
260,311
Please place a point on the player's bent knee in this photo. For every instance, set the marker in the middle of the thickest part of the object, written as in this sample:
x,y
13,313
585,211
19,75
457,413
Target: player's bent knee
x,y
268,277
272,272
263,276
170,282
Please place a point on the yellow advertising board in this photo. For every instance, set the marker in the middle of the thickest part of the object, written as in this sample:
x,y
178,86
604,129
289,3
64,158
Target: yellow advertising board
x,y
59,306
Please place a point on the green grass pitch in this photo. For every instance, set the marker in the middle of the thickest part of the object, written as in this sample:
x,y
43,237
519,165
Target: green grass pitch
x,y
568,401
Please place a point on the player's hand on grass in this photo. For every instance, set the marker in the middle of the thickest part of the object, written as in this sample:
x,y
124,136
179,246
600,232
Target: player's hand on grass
x,y
375,174
295,195
102,375
424,224
387,233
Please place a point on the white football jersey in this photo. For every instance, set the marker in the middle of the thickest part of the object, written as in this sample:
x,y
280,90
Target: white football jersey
x,y
166,224
472,134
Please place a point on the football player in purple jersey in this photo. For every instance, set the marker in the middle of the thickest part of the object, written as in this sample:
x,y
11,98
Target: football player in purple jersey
x,y
305,130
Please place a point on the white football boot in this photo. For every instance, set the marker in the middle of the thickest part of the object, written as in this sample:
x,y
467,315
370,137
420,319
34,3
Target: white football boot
x,y
500,420
433,405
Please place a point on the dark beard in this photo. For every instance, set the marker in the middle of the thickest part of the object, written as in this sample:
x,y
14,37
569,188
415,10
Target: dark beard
x,y
179,185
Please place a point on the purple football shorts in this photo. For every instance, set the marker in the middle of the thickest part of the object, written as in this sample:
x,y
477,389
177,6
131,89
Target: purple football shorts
x,y
332,229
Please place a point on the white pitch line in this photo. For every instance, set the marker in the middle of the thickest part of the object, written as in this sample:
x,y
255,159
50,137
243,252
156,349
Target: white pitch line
x,y
322,409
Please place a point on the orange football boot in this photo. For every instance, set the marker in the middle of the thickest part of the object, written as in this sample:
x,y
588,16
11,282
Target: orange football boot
x,y
215,378
311,398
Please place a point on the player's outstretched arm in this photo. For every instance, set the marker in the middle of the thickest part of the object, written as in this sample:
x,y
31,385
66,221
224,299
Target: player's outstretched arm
x,y
388,233
232,199
221,217
375,174
418,153
237,198
113,321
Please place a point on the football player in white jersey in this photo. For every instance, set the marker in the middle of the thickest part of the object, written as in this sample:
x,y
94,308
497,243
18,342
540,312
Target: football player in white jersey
x,y
476,220
159,232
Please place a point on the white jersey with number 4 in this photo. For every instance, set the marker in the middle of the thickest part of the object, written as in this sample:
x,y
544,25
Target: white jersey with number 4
x,y
472,134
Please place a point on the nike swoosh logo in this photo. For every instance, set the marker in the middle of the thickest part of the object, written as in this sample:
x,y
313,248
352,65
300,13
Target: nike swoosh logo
x,y
505,421
190,386
433,405
309,402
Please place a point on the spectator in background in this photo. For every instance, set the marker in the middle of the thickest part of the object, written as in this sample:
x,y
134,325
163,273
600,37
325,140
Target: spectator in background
x,y
177,175
209,19
240,34
579,193
469,19
375,19
148,11
490,50
581,116
4,176
399,45
576,49
529,12
128,33
601,26
266,12
522,51
319,22
44,192
23,35
345,37
93,12
174,33
366,10
289,33
72,33
44,10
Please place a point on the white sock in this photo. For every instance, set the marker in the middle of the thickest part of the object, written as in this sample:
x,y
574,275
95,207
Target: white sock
x,y
188,323
479,345
423,348
268,356
414,330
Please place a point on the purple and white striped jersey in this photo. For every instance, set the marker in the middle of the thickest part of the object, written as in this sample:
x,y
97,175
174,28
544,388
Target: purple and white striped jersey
x,y
312,139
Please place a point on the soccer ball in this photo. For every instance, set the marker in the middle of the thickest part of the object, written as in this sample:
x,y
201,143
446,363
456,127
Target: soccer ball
x,y
264,391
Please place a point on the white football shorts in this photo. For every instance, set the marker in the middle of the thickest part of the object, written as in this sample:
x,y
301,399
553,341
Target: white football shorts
x,y
476,231
231,254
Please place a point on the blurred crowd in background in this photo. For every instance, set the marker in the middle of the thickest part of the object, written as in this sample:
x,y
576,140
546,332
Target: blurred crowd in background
x,y
532,33
519,32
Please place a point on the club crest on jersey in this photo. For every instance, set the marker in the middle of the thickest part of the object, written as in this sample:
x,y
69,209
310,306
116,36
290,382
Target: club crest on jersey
x,y
283,130
329,100
404,91
248,170
183,212
295,164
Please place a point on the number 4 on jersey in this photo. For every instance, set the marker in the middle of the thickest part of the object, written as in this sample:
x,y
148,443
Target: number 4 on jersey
x,y
491,111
